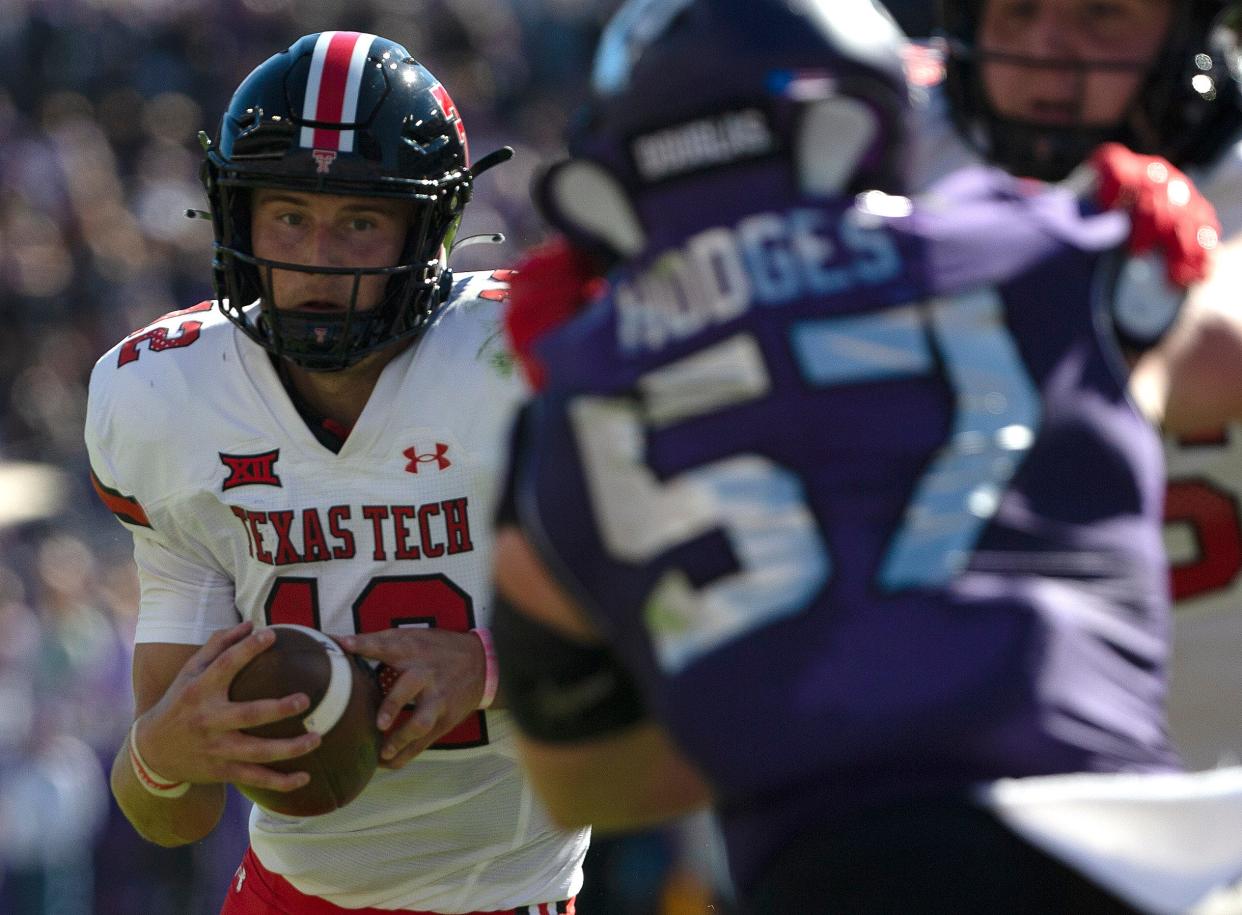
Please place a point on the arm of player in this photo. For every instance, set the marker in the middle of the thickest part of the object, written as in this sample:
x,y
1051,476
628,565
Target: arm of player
x,y
442,675
1191,383
188,731
622,772
623,782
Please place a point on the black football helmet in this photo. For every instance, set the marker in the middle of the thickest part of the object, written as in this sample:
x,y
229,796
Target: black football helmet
x,y
338,113
684,89
1188,107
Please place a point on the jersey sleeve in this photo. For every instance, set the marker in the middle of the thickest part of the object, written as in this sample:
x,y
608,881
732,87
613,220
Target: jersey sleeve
x,y
184,596
183,600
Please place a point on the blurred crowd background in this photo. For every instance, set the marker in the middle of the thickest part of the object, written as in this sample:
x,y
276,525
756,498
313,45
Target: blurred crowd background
x,y
100,103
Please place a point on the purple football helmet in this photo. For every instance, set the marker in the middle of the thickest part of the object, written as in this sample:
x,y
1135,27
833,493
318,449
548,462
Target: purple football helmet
x,y
687,88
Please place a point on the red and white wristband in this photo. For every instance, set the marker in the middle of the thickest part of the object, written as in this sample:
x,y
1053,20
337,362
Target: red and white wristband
x,y
491,678
149,778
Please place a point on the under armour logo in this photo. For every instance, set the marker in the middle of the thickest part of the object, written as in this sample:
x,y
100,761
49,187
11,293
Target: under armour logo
x,y
241,877
323,159
437,456
251,469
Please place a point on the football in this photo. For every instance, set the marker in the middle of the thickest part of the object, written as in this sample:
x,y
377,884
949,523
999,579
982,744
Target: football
x,y
344,700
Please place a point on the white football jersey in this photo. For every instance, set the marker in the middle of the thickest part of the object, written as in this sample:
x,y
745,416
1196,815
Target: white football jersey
x,y
1203,512
238,512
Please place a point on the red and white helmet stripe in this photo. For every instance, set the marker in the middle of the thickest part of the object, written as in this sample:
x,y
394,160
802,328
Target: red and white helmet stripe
x,y
332,88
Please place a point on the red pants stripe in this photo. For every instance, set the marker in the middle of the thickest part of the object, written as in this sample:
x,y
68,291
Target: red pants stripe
x,y
254,890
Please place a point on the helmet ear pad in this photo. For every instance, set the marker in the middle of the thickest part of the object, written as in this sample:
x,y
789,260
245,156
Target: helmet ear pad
x,y
426,242
586,202
851,140
832,138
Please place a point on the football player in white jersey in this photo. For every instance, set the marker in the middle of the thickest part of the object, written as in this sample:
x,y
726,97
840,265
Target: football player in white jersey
x,y
1034,86
320,445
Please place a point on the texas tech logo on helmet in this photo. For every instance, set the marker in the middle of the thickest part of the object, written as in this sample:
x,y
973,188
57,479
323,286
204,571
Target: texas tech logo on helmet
x,y
450,112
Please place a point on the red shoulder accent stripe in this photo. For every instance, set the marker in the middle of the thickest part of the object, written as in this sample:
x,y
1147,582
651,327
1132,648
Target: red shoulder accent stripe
x,y
192,310
126,508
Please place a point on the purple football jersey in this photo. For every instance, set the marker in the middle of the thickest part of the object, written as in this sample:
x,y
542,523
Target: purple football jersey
x,y
859,496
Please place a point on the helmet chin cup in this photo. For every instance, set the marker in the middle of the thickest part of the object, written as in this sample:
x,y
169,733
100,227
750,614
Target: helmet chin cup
x,y
586,202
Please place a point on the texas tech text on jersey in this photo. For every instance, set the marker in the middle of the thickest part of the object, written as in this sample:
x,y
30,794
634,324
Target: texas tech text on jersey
x,y
429,530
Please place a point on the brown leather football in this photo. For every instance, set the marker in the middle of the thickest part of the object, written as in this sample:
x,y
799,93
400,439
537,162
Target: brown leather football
x,y
344,700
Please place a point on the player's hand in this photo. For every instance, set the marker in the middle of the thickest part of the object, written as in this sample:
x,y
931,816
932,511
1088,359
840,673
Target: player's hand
x,y
441,672
552,283
193,734
1167,212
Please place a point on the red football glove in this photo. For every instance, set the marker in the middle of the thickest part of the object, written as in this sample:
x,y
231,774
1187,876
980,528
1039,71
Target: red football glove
x,y
552,283
1167,212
